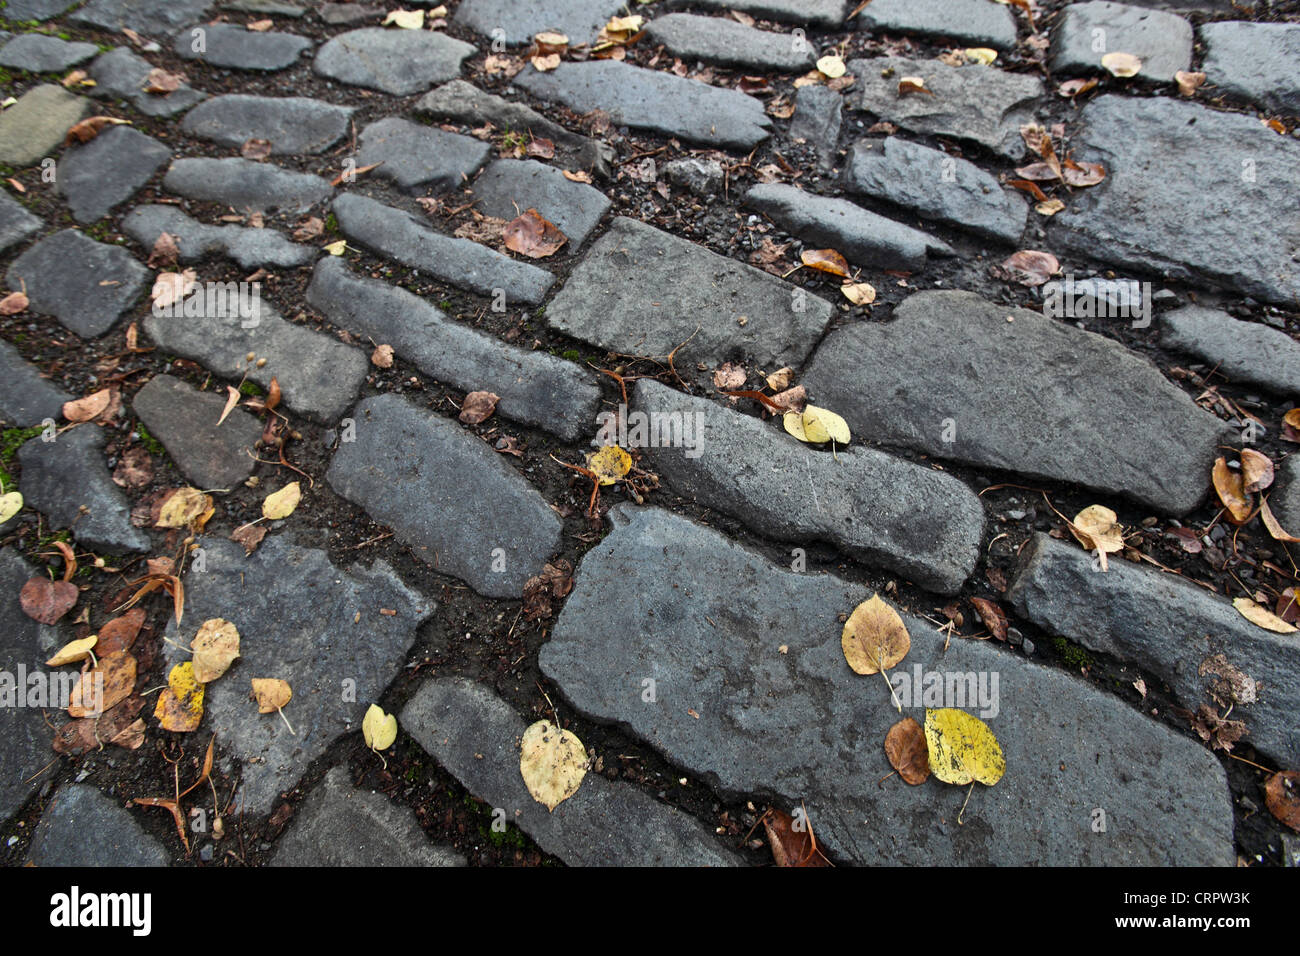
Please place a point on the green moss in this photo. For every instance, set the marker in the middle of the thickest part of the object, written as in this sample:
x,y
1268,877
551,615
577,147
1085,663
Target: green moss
x,y
511,836
573,355
153,445
11,439
250,388
445,304
1072,654
332,224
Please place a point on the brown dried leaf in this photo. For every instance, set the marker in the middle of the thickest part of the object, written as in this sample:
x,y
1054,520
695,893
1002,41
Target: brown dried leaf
x,y
825,260
1188,83
908,752
1027,267
791,846
257,149
165,252
88,129
14,303
1229,487
994,618
46,601
88,408
478,407
874,637
913,84
1282,797
120,633
271,693
1256,470
249,535
161,81
117,673
729,376
382,356
531,235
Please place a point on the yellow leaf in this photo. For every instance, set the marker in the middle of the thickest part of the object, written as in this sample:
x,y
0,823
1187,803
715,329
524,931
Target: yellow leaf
x,y
271,693
831,66
405,19
10,505
378,729
552,762
859,293
981,54
1097,528
1049,207
215,648
816,425
1230,487
624,24
180,705
610,464
1122,64
962,748
1261,617
73,651
874,637
183,508
281,504
337,248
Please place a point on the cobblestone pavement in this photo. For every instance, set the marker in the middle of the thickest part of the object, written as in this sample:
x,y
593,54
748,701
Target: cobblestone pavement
x,y
1043,260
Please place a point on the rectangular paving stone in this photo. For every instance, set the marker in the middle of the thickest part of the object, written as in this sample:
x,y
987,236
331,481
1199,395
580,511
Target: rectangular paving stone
x,y
26,399
318,375
882,510
108,171
24,735
38,53
974,22
185,421
35,126
579,20
1256,61
818,116
246,184
535,388
982,104
863,237
120,74
62,838
1195,196
399,62
459,262
20,10
475,735
1241,351
68,481
292,124
729,43
419,157
447,495
86,285
645,292
648,99
818,13
339,825
708,621
936,186
305,620
235,47
466,103
155,17
1017,396
1170,628
509,187
1162,41
248,246
16,223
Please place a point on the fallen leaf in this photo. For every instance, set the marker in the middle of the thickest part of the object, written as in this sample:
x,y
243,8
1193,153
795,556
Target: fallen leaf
x,y
1229,487
552,762
817,425
478,407
281,504
779,380
84,734
378,729
382,356
729,376
544,64
336,248
540,148
1028,267
1274,527
859,293
183,508
908,751
1282,797
215,648
1122,64
913,84
831,66
1188,83
180,705
250,536
1097,528
825,260
171,287
14,303
111,681
165,253
10,504
120,633
1049,207
1073,88
1219,732
131,737
88,129
579,177
1232,685
405,19
309,228
546,43
874,637
1081,175
257,149
46,601
161,81
73,651
531,235
981,55
1261,616
994,618
791,845
260,26
271,694
88,408
1256,470
962,748
609,464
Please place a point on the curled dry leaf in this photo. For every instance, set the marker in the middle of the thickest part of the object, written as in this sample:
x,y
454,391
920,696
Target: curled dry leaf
x,y
792,843
14,303
184,508
1275,529
1073,88
282,503
260,26
73,651
552,762
109,683
382,356
215,648
1229,487
1261,616
779,380
1028,267
271,694
913,84
159,81
180,705
165,253
581,176
825,260
874,637
120,633
729,376
88,408
544,64
962,748
1256,470
405,19
478,407
531,235
1081,175
547,43
250,536
981,55
1049,207
1282,797
88,129
859,293
908,752
171,287
1122,64
1097,528
46,601
994,618
1188,83
609,464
